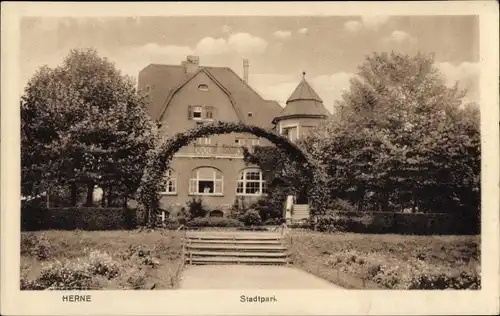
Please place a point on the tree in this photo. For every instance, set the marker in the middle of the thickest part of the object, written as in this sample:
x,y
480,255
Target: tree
x,y
400,138
283,177
83,123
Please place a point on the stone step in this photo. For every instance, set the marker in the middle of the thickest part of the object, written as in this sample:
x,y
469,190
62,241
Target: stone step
x,y
205,237
234,242
237,260
236,254
268,248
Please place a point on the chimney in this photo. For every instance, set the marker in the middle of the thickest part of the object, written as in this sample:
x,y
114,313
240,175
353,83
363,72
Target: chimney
x,y
245,70
191,64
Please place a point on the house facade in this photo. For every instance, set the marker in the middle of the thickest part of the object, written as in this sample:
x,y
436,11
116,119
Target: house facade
x,y
185,95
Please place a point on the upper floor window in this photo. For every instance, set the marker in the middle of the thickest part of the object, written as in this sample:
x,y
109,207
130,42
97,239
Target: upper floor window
x,y
204,141
250,114
203,87
171,183
253,141
292,132
206,181
251,182
198,112
195,112
239,141
209,112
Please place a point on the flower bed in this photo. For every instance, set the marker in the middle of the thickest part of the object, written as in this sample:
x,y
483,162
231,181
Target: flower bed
x,y
390,261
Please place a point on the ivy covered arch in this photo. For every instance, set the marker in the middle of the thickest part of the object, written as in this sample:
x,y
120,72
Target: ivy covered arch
x,y
160,161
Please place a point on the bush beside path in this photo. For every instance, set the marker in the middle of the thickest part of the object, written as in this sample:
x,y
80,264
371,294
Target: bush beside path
x,y
389,261
104,260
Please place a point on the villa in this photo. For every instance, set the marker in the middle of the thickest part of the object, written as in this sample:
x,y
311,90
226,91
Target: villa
x,y
212,168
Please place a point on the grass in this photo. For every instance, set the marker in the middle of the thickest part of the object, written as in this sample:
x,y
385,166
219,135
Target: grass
x,y
388,261
126,248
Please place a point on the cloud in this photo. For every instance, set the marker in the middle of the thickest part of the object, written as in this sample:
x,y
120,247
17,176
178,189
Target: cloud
x,y
226,29
212,46
374,21
246,44
282,34
367,22
353,26
465,73
280,87
240,43
399,37
303,31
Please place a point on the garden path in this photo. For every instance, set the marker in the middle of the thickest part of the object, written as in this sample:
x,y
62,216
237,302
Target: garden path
x,y
250,277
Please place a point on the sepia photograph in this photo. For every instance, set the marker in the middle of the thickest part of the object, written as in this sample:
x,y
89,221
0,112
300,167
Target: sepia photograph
x,y
250,152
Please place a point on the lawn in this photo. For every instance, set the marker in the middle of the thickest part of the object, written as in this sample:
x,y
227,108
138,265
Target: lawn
x,y
363,261
101,259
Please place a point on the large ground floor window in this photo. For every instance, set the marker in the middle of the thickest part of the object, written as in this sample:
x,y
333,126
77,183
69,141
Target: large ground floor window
x,y
206,181
251,182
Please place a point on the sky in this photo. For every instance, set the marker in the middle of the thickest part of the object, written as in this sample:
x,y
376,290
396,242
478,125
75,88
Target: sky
x,y
329,49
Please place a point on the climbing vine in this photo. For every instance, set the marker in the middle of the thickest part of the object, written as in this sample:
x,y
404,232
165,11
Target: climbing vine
x,y
161,157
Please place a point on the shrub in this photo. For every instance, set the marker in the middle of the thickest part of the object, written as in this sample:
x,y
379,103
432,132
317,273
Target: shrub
x,y
71,275
37,247
238,208
103,264
273,221
197,208
251,218
133,278
330,224
253,228
214,222
85,218
340,205
268,208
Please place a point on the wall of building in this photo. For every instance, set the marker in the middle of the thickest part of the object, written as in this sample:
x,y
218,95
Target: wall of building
x,y
175,118
182,170
304,124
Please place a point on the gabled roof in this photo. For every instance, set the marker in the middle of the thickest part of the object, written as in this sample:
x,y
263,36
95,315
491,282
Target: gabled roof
x,y
168,79
304,102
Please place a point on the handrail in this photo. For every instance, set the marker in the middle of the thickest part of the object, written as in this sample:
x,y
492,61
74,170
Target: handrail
x,y
180,227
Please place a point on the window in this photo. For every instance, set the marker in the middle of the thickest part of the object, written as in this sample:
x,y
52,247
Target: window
x,y
204,141
197,112
250,114
206,181
203,87
209,112
171,184
253,141
239,141
291,133
251,182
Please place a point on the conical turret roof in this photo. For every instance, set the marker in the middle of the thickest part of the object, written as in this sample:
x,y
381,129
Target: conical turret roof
x,y
304,91
304,102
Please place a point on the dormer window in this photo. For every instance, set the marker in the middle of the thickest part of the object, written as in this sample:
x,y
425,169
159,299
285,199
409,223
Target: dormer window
x,y
203,87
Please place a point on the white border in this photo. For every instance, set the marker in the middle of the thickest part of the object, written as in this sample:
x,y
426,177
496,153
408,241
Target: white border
x,y
302,302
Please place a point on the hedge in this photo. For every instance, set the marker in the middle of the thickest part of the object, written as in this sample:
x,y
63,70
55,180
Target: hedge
x,y
399,223
85,218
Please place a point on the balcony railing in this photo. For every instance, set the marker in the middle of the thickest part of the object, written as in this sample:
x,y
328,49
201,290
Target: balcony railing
x,y
214,150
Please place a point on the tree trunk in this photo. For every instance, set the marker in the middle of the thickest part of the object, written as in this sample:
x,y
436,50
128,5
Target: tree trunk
x,y
90,194
110,196
103,198
73,193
